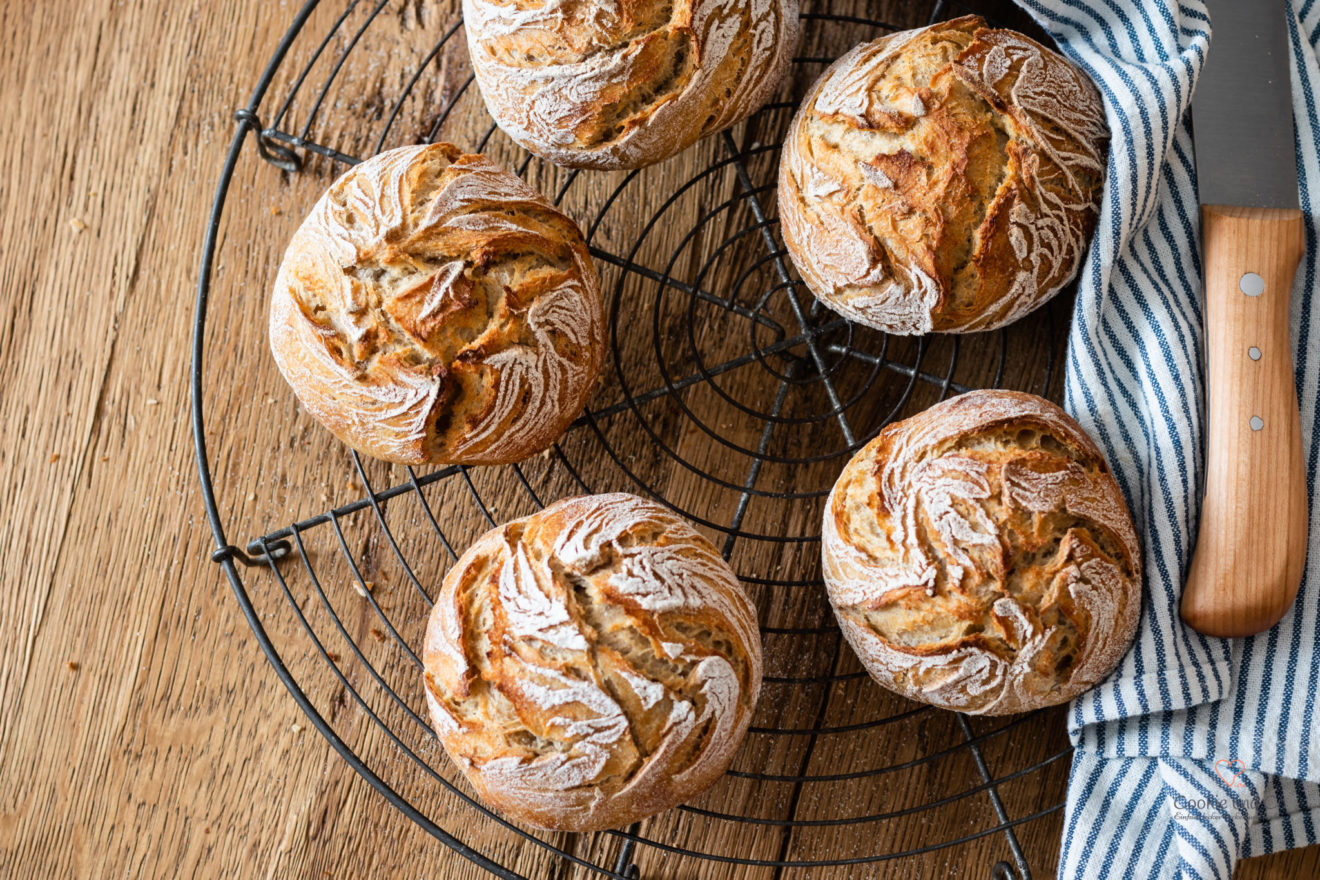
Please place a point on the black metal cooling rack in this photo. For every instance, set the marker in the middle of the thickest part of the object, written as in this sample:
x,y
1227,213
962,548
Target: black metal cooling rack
x,y
733,397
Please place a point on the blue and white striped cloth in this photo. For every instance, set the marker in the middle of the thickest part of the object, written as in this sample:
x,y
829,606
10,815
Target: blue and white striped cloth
x,y
1197,752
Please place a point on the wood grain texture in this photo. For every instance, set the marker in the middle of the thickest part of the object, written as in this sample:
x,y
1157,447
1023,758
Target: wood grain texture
x,y
1251,546
142,732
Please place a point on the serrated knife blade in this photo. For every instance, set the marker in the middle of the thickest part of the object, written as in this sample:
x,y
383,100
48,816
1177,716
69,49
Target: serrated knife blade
x,y
1242,120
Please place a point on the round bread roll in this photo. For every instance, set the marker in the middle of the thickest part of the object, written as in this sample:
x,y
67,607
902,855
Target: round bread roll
x,y
980,556
592,664
627,84
435,308
943,179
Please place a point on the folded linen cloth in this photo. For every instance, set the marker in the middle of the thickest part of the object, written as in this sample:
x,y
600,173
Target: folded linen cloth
x,y
1197,751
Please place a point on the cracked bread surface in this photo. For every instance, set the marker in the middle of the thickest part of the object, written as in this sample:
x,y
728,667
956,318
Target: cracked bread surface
x,y
434,308
945,179
627,83
591,664
980,556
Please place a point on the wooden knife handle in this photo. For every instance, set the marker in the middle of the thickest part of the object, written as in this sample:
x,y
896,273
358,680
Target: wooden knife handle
x,y
1251,547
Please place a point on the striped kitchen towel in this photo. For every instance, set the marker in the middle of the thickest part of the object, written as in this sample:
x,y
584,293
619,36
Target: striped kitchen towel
x,y
1197,751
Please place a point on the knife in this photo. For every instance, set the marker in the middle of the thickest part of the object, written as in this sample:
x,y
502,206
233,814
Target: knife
x,y
1251,546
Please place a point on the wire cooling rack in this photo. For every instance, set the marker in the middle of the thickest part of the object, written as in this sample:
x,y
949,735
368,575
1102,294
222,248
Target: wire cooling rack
x,y
731,396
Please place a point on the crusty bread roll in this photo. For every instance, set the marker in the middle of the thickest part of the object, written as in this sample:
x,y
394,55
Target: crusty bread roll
x,y
435,308
943,179
591,664
628,83
980,556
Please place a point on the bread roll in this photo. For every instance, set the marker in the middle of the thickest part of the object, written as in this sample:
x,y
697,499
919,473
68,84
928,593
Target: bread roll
x,y
629,83
943,179
980,557
591,664
435,308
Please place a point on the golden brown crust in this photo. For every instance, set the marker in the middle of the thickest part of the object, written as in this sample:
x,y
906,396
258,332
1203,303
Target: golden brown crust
x,y
980,556
943,179
591,664
629,83
434,308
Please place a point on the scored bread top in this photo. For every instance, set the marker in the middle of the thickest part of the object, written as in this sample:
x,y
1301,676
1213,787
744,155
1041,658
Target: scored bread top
x,y
943,179
591,664
435,308
980,556
628,83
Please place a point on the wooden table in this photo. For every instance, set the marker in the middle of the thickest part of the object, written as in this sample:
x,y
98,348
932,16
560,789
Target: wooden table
x,y
142,732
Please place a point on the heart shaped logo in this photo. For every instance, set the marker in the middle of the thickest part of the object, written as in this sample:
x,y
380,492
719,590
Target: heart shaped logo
x,y
1229,771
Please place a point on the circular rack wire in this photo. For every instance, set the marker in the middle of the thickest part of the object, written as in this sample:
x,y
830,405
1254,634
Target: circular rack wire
x,y
732,396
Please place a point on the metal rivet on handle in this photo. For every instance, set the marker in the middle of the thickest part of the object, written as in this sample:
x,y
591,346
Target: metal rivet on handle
x,y
1251,284
1257,423
1253,353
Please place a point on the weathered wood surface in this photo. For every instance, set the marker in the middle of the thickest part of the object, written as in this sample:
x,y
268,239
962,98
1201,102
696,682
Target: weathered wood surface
x,y
142,731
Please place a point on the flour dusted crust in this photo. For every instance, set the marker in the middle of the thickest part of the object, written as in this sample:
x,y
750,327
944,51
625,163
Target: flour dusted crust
x,y
625,83
943,179
435,308
980,556
591,664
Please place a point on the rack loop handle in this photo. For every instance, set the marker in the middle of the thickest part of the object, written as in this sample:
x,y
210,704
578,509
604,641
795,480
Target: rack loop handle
x,y
274,152
277,551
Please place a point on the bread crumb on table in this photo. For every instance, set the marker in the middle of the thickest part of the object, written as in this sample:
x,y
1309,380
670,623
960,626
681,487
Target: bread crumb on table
x,y
77,225
72,666
54,457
